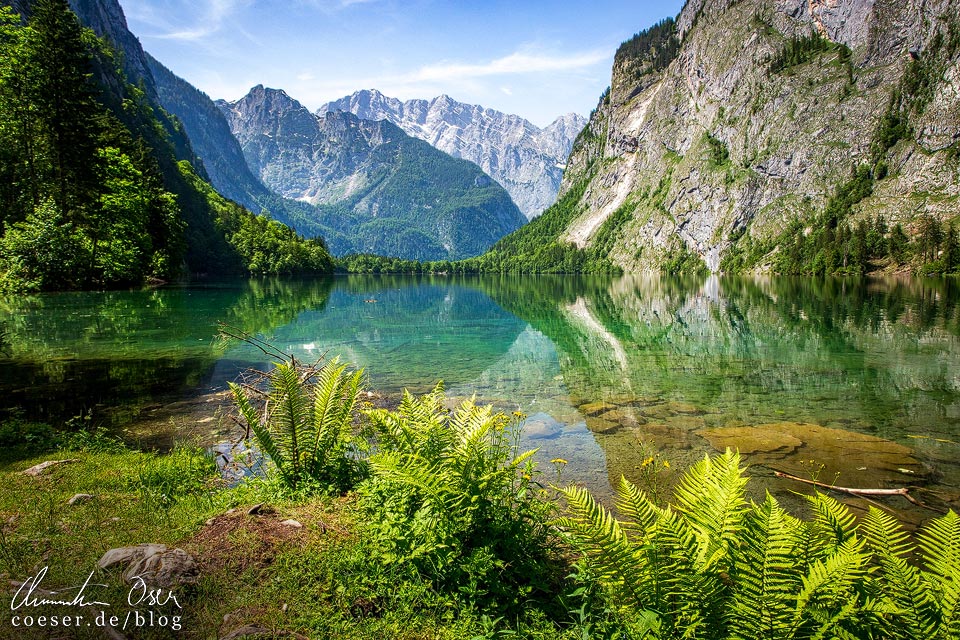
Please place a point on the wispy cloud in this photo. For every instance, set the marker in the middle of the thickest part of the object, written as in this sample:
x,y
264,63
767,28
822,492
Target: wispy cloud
x,y
199,19
515,63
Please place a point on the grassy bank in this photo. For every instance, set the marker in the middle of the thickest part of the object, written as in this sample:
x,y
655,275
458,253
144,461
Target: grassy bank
x,y
323,579
427,522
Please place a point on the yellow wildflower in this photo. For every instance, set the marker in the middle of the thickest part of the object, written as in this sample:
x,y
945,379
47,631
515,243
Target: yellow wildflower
x,y
558,461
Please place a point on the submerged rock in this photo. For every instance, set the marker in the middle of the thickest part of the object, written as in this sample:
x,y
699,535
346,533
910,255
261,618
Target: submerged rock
x,y
541,426
596,408
600,425
813,451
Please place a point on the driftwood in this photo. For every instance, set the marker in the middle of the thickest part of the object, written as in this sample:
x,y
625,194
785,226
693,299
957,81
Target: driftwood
x,y
862,493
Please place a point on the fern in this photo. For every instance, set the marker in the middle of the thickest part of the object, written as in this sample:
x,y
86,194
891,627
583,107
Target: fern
x,y
717,567
766,574
939,543
453,498
899,583
303,423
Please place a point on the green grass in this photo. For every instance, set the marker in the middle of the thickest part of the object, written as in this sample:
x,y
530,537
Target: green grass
x,y
324,580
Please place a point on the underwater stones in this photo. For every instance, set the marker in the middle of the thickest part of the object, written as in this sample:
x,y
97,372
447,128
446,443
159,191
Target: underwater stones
x,y
685,422
685,408
596,408
658,412
831,455
624,417
541,426
599,425
751,440
635,401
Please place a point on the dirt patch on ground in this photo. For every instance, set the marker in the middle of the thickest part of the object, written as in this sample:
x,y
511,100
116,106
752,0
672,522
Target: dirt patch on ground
x,y
237,542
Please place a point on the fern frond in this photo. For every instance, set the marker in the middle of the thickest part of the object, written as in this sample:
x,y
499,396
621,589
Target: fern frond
x,y
711,497
261,432
830,591
290,414
897,580
335,398
939,543
594,529
634,505
767,576
833,521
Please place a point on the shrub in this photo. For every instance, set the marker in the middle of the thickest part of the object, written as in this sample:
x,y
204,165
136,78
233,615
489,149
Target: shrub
x,y
303,424
452,497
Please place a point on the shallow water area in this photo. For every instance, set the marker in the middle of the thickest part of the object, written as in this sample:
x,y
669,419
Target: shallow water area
x,y
853,382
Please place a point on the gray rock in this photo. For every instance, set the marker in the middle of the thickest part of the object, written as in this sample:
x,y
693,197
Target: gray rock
x,y
292,523
790,138
157,565
80,497
39,469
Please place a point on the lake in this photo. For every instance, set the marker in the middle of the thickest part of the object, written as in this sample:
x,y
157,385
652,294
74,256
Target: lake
x,y
852,382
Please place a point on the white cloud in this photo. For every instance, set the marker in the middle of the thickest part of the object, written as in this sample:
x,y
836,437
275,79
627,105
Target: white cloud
x,y
515,63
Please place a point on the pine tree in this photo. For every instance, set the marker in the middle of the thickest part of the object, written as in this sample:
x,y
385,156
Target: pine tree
x,y
951,250
897,244
59,81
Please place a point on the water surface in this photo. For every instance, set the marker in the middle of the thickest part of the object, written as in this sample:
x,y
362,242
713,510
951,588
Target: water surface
x,y
849,381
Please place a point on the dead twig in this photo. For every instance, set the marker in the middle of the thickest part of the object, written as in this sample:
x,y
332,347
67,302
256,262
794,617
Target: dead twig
x,y
863,493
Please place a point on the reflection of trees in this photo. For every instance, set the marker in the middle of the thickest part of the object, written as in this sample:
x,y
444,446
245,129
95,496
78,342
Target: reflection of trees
x,y
877,352
73,351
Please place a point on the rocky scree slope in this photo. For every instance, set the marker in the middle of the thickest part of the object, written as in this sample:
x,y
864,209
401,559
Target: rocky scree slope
x,y
376,189
526,160
739,119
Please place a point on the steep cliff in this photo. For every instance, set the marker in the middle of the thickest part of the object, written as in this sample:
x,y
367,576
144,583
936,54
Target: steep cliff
x,y
526,160
742,119
376,189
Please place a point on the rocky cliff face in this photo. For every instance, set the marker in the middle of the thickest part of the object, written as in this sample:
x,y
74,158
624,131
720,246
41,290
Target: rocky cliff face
x,y
727,137
211,137
378,190
526,160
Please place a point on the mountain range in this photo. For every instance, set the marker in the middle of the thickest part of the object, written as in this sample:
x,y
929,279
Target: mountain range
x,y
375,189
466,211
526,160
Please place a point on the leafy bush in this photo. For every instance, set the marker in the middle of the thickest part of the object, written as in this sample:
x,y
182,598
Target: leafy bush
x,y
714,566
303,423
451,497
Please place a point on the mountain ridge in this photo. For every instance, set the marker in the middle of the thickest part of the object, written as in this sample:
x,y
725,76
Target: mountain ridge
x,y
744,127
367,177
526,160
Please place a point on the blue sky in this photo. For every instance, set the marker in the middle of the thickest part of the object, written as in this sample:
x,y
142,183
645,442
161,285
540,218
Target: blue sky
x,y
533,58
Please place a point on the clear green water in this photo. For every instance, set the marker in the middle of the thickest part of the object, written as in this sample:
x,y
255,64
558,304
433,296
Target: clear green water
x,y
672,359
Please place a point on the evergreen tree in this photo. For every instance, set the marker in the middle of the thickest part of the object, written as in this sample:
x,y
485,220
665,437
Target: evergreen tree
x,y
929,238
897,244
59,83
951,250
